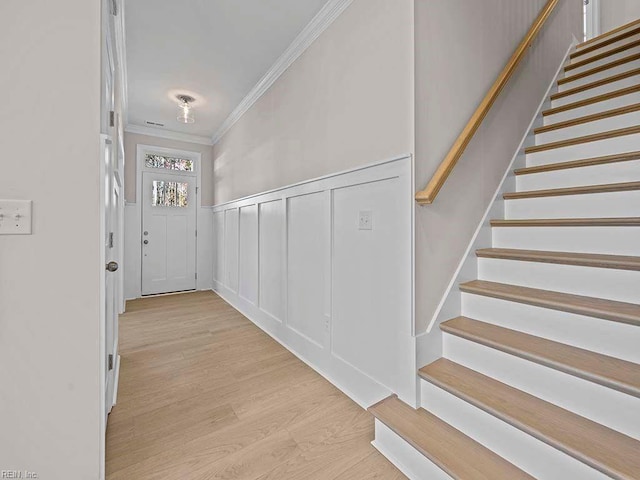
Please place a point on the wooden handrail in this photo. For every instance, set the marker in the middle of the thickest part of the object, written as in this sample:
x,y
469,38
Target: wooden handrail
x,y
429,194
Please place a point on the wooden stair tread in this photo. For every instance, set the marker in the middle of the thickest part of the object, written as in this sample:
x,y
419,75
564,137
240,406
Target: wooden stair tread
x,y
601,68
604,43
619,262
585,139
597,83
600,56
612,310
586,162
597,368
583,190
592,100
451,450
569,222
589,118
604,449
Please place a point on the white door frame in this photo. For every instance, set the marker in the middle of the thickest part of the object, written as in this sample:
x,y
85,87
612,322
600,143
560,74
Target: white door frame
x,y
592,27
141,151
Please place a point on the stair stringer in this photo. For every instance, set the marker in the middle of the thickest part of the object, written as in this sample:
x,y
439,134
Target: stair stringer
x,y
429,343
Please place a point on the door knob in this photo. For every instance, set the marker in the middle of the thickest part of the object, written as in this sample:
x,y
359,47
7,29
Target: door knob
x,y
146,242
112,266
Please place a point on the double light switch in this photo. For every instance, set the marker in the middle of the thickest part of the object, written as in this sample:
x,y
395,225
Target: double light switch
x,y
15,217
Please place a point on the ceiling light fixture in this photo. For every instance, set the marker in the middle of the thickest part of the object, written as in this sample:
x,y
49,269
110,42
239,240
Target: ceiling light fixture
x,y
185,109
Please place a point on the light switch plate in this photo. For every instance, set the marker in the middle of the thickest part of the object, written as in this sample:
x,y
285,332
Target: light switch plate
x,y
15,217
365,220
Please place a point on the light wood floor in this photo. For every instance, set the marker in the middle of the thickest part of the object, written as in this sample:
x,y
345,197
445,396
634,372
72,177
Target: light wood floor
x,y
204,394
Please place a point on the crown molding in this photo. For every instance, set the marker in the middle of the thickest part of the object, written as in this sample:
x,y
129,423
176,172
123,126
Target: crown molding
x,y
323,19
168,134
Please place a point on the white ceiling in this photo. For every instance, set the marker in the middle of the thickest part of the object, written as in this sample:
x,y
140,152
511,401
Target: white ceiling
x,y
214,50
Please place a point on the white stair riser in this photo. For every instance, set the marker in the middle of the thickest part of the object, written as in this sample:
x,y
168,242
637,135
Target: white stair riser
x,y
595,205
611,123
512,444
594,77
608,146
617,172
606,240
619,285
593,108
604,61
406,458
598,403
595,91
607,337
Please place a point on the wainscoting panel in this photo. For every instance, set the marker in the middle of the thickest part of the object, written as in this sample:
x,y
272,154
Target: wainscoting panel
x,y
305,264
307,237
249,253
369,284
272,259
218,246
231,237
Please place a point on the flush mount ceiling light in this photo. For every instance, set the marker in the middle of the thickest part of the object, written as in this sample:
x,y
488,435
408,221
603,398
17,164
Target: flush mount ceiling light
x,y
185,109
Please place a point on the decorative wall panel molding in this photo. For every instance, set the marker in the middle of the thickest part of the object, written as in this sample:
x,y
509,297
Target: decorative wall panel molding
x,y
325,267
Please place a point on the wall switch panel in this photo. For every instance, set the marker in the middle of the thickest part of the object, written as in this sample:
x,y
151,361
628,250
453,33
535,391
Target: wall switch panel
x,y
15,217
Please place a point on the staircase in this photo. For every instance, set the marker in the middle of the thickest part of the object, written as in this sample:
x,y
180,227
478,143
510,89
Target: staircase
x,y
541,372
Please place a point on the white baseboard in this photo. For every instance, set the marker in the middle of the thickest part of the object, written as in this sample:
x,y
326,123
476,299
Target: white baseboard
x,y
116,380
358,386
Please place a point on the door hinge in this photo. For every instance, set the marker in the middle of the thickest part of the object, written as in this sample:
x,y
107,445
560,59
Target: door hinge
x,y
196,275
110,361
110,239
196,233
114,7
197,189
112,118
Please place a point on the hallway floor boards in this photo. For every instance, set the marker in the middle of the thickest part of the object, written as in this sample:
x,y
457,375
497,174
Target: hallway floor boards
x,y
205,394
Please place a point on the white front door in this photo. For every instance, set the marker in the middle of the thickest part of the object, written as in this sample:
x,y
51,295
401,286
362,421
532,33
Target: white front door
x,y
168,232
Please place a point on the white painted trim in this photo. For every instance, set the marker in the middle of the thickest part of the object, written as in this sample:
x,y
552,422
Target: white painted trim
x,y
102,324
501,187
116,380
243,307
121,53
141,149
404,456
168,134
311,32
593,20
317,179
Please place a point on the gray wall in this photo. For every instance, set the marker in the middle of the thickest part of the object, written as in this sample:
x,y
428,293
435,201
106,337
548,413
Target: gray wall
x,y
347,101
614,13
461,47
131,140
49,281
